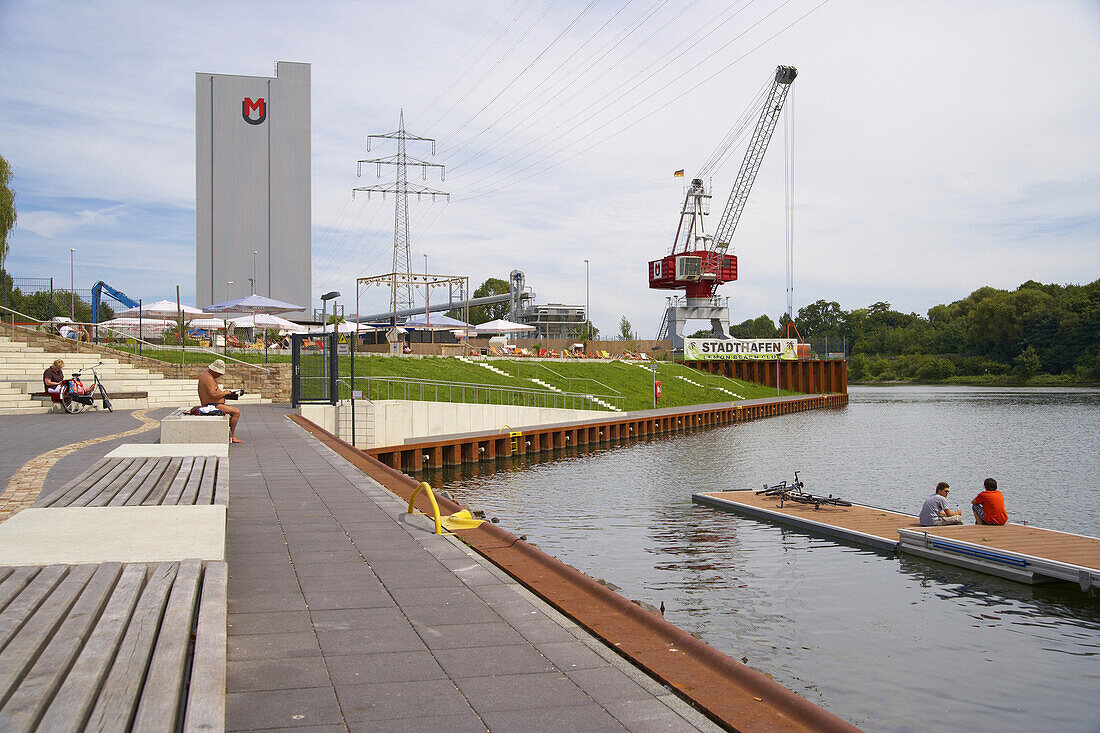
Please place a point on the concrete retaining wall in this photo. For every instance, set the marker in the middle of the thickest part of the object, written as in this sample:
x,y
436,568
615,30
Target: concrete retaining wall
x,y
391,422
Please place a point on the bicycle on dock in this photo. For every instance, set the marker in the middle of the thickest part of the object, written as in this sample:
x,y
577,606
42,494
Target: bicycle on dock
x,y
74,395
795,492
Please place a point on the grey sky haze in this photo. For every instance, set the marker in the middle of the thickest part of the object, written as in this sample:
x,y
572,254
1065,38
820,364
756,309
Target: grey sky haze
x,y
938,146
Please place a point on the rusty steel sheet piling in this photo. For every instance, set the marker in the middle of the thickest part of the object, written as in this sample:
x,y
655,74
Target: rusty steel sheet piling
x,y
730,693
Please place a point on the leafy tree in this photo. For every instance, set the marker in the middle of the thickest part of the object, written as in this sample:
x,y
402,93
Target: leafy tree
x,y
7,208
761,327
626,331
484,313
823,318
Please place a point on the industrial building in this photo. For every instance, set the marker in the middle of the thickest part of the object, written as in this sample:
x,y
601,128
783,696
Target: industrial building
x,y
554,320
252,186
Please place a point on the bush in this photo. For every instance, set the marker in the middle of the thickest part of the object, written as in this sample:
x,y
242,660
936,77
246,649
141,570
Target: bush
x,y
1027,363
858,367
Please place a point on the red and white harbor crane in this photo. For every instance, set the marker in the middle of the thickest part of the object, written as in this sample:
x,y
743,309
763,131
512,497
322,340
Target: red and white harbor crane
x,y
699,262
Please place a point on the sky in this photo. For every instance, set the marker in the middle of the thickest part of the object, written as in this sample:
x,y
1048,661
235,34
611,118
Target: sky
x,y
935,147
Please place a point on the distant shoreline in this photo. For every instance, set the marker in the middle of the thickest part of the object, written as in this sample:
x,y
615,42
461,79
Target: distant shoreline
x,y
991,380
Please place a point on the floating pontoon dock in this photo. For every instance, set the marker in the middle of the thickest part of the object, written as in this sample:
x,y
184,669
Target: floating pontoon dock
x,y
1014,551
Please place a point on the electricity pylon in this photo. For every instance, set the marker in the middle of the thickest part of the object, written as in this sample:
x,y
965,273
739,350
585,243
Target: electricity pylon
x,y
402,296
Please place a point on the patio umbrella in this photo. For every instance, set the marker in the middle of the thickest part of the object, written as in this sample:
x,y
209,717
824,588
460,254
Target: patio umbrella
x,y
161,309
343,327
130,326
502,326
267,320
252,304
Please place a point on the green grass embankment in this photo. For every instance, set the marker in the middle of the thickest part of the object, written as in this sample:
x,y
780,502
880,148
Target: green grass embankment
x,y
629,385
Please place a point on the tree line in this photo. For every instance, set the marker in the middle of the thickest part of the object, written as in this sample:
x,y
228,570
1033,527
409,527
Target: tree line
x,y
1033,330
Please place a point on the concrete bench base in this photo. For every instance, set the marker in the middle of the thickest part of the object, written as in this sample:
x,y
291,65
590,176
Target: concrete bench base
x,y
179,427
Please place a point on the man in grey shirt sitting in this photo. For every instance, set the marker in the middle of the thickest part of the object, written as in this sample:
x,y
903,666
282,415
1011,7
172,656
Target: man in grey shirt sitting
x,y
935,511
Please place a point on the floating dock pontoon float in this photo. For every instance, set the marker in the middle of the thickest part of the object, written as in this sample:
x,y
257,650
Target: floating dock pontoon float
x,y
1014,551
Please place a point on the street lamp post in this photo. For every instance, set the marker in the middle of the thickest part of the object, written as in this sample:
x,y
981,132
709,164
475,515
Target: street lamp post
x,y
72,287
587,315
252,280
225,339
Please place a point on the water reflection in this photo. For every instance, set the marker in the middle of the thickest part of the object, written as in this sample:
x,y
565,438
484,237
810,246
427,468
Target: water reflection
x,y
887,643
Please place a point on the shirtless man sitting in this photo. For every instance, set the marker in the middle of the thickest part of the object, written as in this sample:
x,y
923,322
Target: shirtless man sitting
x,y
211,394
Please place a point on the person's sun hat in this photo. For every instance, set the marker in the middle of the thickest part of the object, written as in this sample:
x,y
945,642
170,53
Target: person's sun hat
x,y
218,366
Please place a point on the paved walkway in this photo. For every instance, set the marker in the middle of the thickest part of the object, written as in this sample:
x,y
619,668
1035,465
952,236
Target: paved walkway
x,y
344,614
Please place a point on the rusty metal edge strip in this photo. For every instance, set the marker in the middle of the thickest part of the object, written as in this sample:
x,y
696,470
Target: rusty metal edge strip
x,y
735,696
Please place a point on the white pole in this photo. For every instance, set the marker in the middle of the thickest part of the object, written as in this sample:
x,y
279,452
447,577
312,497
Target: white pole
x,y
587,306
72,287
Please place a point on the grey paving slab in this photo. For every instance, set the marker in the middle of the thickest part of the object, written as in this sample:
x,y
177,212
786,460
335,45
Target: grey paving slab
x,y
259,675
388,700
346,614
272,622
282,708
589,718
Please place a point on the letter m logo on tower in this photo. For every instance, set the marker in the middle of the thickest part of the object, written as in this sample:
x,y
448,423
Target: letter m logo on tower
x,y
259,108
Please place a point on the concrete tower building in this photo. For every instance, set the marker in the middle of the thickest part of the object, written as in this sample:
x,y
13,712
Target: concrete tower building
x,y
252,185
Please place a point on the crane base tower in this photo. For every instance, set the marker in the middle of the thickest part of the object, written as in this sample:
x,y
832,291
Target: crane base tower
x,y
682,310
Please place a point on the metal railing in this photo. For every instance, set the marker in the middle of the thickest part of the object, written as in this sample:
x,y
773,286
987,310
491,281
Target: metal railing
x,y
82,346
587,382
428,390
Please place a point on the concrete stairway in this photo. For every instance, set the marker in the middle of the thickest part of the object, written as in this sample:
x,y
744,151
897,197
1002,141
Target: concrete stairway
x,y
21,368
485,365
703,386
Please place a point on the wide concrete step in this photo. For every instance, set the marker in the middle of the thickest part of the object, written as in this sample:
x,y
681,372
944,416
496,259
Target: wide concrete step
x,y
36,409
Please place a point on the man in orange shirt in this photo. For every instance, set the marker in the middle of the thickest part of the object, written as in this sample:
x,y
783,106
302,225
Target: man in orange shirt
x,y
989,505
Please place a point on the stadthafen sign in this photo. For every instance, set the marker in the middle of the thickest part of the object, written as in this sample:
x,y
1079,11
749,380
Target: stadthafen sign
x,y
740,349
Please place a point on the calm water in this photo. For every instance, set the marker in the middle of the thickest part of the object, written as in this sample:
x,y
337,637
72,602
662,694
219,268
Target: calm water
x,y
889,644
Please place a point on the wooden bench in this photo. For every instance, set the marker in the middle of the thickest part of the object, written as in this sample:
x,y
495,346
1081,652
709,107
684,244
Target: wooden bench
x,y
109,647
119,400
180,427
155,481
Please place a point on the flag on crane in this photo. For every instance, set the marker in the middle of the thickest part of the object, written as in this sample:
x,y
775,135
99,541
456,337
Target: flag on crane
x,y
679,173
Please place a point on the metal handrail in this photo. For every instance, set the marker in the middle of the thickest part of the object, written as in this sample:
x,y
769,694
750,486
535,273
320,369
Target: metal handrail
x,y
474,389
435,506
707,377
111,329
539,365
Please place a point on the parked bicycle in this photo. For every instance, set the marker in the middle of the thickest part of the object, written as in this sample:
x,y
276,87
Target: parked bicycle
x,y
74,395
794,492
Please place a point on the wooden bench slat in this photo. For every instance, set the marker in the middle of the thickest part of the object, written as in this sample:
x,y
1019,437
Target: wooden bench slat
x,y
221,483
206,693
26,703
209,476
39,628
14,584
83,493
96,470
191,488
114,710
71,706
156,492
5,572
19,611
105,493
135,474
172,497
65,498
163,692
136,488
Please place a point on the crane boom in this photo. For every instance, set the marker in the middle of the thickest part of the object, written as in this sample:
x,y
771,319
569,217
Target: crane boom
x,y
754,156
